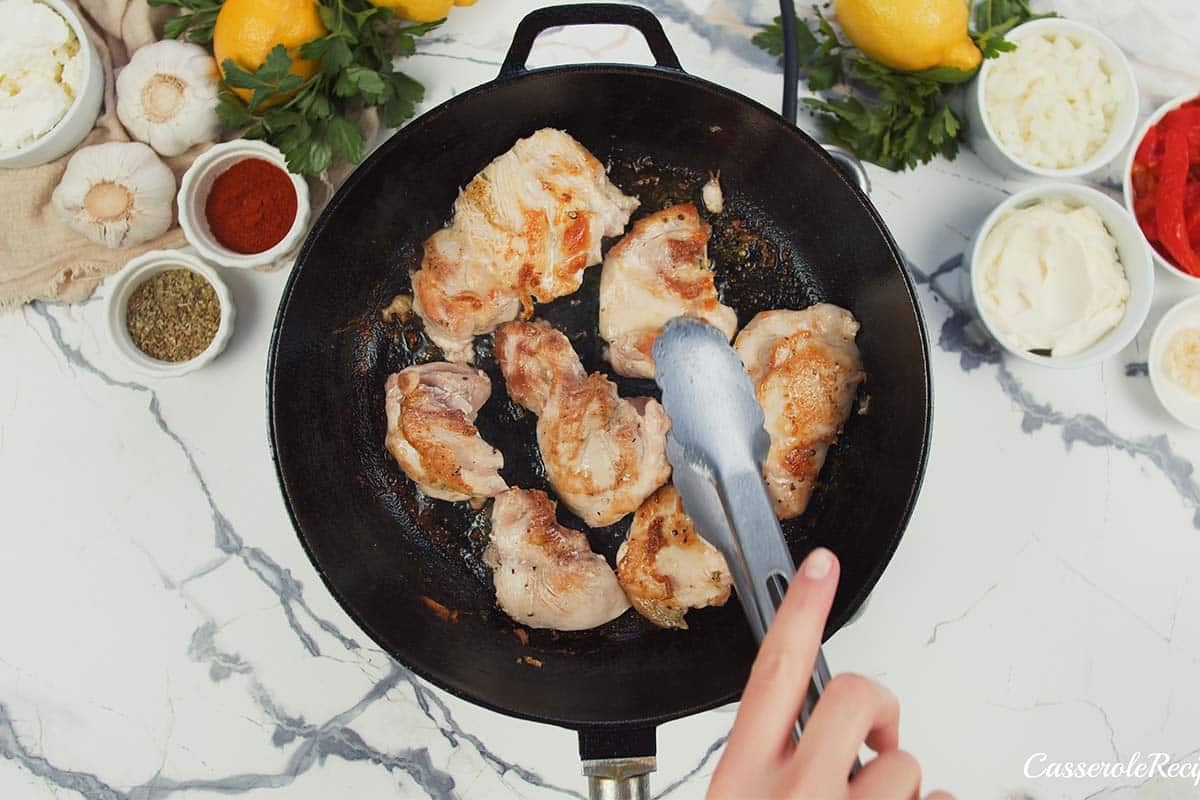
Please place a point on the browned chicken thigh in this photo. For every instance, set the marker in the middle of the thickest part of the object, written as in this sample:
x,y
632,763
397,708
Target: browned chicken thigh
x,y
546,575
604,454
658,271
665,567
806,370
431,412
524,229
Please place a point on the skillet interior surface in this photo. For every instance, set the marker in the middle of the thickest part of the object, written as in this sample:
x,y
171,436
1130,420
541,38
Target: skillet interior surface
x,y
409,570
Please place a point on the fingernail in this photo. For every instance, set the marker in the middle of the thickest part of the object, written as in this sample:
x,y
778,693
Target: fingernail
x,y
818,564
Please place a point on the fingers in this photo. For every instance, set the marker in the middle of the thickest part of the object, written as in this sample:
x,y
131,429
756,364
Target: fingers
x,y
894,775
853,709
939,795
779,680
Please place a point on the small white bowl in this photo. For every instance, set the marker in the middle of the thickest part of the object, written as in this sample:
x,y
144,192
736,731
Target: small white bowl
x,y
116,307
80,118
1132,250
193,194
1181,405
987,144
1127,184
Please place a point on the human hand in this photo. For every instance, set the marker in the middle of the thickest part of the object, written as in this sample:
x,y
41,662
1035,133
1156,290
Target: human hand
x,y
762,761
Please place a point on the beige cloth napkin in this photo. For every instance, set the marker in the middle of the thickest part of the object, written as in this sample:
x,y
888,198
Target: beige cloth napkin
x,y
41,258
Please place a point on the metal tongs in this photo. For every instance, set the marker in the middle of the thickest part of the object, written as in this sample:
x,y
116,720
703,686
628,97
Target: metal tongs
x,y
717,446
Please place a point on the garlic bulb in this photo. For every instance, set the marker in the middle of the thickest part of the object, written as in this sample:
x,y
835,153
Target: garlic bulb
x,y
167,96
117,194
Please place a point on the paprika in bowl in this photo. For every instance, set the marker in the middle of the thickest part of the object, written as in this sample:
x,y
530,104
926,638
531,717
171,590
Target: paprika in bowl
x,y
240,207
1162,185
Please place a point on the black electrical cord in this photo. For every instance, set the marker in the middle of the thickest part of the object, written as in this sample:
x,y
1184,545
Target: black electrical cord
x,y
791,63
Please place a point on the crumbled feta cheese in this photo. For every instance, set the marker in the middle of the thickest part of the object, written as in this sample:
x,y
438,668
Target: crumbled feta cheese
x,y
1051,102
41,69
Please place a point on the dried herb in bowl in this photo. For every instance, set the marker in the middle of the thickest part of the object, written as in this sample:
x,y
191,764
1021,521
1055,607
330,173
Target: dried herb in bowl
x,y
173,315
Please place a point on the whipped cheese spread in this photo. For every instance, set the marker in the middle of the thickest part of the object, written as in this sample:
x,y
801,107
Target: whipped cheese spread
x,y
1050,278
1051,101
41,68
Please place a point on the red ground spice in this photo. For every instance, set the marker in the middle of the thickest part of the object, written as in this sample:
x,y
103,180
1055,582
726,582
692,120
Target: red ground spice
x,y
251,206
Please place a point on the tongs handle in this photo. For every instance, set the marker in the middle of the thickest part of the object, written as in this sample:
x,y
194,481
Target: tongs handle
x,y
766,565
763,573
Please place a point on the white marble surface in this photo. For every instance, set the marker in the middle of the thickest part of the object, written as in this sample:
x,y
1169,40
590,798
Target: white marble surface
x,y
163,634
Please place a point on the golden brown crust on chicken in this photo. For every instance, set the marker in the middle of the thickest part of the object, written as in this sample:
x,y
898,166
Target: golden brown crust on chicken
x,y
604,454
545,574
431,412
524,229
666,567
658,271
806,370
531,355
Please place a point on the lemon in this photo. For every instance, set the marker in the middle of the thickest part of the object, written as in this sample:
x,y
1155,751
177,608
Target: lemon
x,y
911,35
421,10
247,30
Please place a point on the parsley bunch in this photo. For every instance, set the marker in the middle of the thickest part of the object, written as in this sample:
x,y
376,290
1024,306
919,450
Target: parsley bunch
x,y
898,119
316,120
195,20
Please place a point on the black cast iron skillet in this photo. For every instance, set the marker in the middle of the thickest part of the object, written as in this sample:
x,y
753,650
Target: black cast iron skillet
x,y
795,231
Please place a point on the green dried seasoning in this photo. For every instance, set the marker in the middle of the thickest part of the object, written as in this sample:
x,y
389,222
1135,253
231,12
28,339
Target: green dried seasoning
x,y
173,315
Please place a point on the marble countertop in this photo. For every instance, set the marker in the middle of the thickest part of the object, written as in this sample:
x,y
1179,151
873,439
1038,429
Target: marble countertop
x,y
164,635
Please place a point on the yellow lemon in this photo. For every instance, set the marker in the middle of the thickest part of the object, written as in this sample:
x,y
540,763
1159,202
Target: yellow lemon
x,y
247,30
911,35
421,10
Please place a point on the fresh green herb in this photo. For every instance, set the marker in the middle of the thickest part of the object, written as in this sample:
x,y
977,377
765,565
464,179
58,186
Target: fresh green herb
x,y
1004,13
315,122
994,18
891,118
195,20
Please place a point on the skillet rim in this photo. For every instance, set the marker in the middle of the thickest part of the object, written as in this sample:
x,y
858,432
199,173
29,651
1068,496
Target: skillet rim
x,y
467,693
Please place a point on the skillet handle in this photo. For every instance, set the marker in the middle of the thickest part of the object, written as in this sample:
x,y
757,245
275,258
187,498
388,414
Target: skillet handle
x,y
618,763
588,14
850,165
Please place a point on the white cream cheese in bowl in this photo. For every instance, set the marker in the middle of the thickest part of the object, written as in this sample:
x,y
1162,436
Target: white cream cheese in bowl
x,y
1050,277
1060,276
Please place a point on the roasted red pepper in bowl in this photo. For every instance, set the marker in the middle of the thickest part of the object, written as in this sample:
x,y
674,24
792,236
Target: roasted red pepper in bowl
x,y
1165,177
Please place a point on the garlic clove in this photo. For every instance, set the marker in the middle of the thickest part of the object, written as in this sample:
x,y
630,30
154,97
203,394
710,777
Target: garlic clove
x,y
714,199
167,96
118,194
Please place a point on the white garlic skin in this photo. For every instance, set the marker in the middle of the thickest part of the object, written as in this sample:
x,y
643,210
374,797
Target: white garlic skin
x,y
714,200
118,194
167,96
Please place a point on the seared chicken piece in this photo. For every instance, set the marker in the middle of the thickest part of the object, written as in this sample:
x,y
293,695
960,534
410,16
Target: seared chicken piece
x,y
806,370
524,229
665,567
546,575
431,412
658,271
604,454
458,295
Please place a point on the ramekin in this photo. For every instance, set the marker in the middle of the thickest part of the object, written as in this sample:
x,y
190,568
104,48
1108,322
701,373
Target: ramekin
x,y
80,117
1127,183
983,139
193,194
1132,250
116,306
1175,400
